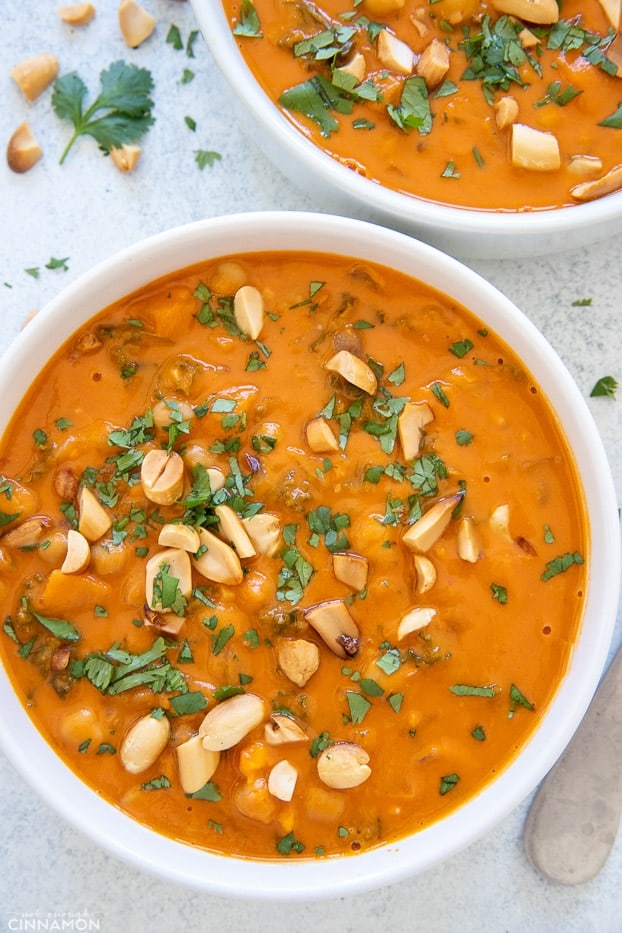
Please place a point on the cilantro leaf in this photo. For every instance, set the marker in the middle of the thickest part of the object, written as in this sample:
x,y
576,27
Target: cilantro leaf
x,y
606,386
249,24
413,111
120,114
614,120
561,564
58,627
314,98
206,157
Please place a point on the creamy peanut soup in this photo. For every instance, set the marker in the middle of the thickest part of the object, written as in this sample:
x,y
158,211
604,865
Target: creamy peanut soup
x,y
292,555
507,105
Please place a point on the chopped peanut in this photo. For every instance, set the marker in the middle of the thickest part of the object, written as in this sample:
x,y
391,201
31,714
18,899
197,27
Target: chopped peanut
x,y
506,111
433,63
282,781
135,23
585,165
231,529
351,569
414,620
126,157
281,729
248,310
176,564
23,151
608,183
542,12
356,67
410,425
298,659
216,561
343,765
78,555
162,476
469,545
383,7
332,621
264,530
395,54
426,532
228,723
177,535
93,519
78,14
426,573
33,75
320,437
534,149
353,370
613,11
196,764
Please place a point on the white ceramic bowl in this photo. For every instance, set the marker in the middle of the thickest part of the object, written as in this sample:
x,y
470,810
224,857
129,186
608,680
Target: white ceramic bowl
x,y
337,189
209,239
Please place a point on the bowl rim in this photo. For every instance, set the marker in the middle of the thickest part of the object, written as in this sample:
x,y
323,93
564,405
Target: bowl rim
x,y
427,216
286,880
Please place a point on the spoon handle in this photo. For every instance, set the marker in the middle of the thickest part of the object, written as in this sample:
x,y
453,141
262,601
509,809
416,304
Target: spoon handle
x,y
572,825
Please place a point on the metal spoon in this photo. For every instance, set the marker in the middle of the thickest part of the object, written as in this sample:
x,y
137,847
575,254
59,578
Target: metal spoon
x,y
573,821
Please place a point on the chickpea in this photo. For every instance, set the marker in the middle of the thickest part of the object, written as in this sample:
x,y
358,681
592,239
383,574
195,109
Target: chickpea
x,y
227,277
79,726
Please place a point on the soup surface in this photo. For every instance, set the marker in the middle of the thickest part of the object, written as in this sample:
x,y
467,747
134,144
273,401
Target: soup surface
x,y
292,557
454,101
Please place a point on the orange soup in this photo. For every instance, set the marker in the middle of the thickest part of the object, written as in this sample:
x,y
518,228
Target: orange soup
x,y
476,105
292,555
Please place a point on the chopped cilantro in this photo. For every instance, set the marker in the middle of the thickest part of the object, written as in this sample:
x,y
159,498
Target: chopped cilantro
x,y
499,593
561,564
518,699
606,386
206,157
248,24
448,782
466,690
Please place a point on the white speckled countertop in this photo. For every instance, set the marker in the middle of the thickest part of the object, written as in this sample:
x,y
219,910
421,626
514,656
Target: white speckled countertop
x,y
52,877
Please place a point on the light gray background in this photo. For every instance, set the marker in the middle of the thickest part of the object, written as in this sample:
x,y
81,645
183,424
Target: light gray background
x,y
86,210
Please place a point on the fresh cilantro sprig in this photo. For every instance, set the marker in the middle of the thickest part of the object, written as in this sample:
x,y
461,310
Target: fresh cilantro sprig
x,y
120,114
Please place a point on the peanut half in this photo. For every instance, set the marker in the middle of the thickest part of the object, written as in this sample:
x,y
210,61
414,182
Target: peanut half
x,y
216,561
343,765
228,723
23,151
248,310
33,75
196,764
264,530
282,781
176,564
426,532
135,23
353,369
414,620
162,476
78,555
93,519
332,621
233,532
281,729
298,659
78,14
144,743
